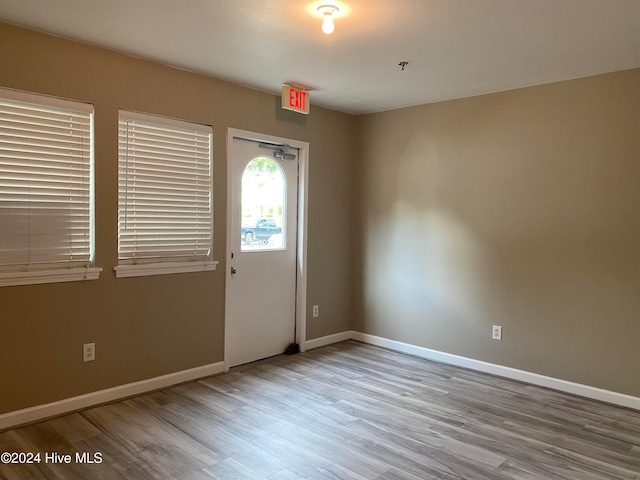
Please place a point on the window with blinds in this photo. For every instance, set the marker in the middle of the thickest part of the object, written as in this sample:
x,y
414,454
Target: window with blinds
x,y
164,191
46,189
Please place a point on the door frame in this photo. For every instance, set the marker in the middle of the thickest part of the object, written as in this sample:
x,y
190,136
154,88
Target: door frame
x,y
301,237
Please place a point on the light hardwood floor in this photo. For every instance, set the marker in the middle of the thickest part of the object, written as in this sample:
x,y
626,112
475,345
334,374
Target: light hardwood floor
x,y
346,411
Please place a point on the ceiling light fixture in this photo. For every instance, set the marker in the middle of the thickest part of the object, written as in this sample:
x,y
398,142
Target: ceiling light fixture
x,y
328,11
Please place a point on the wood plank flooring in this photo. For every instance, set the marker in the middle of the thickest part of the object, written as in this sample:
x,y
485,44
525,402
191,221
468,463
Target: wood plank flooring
x,y
347,411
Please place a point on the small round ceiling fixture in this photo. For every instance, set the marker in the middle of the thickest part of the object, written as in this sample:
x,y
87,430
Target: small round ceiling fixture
x,y
328,11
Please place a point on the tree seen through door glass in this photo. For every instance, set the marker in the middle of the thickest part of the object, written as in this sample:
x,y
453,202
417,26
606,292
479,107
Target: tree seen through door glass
x,y
263,206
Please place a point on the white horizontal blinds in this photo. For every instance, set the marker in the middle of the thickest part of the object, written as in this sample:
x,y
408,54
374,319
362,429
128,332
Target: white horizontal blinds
x,y
164,192
45,183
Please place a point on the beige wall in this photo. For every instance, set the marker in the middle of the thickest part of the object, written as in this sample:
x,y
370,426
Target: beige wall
x,y
520,209
149,326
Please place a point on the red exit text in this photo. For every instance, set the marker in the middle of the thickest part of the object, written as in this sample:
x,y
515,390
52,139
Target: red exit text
x,y
295,99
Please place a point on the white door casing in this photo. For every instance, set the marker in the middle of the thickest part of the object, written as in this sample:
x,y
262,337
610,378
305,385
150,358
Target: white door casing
x,y
266,296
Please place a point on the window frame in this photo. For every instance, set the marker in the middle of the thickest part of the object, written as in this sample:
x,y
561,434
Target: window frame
x,y
128,267
52,273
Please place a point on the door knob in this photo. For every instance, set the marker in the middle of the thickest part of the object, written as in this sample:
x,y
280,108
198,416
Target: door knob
x,y
233,270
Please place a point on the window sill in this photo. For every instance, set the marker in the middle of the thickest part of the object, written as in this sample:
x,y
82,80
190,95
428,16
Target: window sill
x,y
49,276
125,271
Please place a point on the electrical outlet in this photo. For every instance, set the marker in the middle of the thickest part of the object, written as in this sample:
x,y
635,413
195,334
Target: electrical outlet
x,y
496,332
316,311
88,352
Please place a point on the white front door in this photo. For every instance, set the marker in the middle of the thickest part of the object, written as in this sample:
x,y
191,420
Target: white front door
x,y
261,281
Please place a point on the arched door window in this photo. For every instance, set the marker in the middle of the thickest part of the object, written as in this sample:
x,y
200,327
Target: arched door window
x,y
263,206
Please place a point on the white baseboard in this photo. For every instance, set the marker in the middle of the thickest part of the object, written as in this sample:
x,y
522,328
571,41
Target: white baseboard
x,y
502,371
41,412
328,340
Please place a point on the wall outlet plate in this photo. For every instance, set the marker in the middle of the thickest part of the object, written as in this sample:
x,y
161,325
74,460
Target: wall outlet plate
x,y
316,311
88,352
496,332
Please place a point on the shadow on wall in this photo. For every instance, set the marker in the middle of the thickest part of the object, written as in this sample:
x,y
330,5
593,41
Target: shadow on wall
x,y
288,116
431,273
531,235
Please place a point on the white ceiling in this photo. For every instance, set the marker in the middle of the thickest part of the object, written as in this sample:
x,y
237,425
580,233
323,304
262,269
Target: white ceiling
x,y
456,48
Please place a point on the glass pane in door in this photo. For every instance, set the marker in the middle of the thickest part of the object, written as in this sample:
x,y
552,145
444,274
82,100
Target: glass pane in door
x,y
263,206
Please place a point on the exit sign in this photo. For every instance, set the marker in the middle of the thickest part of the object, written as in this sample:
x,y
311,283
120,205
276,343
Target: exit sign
x,y
295,99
